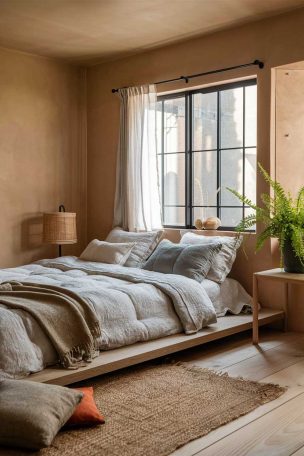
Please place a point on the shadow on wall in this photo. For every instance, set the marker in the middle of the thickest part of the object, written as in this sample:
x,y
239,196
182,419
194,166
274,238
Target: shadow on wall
x,y
31,238
32,233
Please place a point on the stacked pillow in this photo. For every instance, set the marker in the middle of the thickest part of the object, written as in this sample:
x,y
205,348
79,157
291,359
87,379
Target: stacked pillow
x,y
222,262
145,243
196,256
191,261
107,252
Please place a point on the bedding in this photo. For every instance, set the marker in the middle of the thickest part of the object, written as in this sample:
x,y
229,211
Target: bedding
x,y
146,242
131,305
107,252
223,261
191,261
69,321
228,297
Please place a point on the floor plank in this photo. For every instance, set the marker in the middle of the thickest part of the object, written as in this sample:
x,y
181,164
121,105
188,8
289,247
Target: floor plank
x,y
291,376
224,354
278,433
268,362
218,434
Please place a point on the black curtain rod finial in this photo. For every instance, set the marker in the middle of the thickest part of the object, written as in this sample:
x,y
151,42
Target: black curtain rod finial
x,y
259,63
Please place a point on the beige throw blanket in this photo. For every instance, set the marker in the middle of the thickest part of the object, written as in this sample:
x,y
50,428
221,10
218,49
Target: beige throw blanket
x,y
67,319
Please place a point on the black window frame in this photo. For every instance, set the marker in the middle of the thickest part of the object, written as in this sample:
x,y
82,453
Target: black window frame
x,y
188,95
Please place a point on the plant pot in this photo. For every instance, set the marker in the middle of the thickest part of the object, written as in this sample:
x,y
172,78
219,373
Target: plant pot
x,y
291,261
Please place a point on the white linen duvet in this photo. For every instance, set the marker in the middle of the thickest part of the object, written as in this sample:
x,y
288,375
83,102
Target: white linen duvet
x,y
132,305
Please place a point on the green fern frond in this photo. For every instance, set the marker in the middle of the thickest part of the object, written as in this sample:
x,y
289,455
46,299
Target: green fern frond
x,y
300,200
246,223
267,233
282,216
242,198
276,186
268,202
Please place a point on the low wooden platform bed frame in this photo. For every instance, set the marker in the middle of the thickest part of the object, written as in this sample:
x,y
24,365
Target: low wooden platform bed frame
x,y
119,358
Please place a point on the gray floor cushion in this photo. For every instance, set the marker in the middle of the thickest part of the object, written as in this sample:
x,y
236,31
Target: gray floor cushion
x,y
31,414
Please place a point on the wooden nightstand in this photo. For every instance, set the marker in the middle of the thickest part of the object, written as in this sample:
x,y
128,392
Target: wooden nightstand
x,y
275,275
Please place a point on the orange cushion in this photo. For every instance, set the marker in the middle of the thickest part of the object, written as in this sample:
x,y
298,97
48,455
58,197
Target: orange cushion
x,y
86,413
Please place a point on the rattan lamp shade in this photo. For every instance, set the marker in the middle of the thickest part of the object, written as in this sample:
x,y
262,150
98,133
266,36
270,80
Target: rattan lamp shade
x,y
59,228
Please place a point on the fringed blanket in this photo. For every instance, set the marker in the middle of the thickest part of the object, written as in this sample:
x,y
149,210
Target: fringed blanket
x,y
67,319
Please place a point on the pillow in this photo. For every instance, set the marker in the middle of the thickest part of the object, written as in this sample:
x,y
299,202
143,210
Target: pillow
x,y
145,244
86,413
223,260
105,252
32,413
191,261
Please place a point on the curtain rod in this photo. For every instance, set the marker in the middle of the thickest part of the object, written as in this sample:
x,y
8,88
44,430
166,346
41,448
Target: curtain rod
x,y
220,70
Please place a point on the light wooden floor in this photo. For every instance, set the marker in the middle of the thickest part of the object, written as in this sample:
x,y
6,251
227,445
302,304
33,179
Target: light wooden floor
x,y
276,428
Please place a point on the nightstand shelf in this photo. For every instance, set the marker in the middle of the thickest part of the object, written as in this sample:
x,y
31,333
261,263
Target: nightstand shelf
x,y
275,275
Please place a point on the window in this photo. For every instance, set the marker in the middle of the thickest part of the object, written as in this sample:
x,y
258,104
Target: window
x,y
207,142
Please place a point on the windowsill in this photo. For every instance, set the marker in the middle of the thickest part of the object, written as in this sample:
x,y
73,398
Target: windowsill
x,y
219,230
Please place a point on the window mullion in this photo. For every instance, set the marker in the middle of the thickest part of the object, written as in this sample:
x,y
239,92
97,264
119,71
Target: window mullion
x,y
244,154
189,170
163,157
218,183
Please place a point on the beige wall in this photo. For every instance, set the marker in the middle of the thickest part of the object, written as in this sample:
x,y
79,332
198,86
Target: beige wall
x,y
276,41
42,151
289,131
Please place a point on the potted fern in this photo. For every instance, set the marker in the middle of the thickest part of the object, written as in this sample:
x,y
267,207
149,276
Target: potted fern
x,y
283,218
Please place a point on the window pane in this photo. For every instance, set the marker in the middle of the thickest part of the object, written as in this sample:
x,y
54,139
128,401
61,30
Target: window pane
x,y
231,106
232,176
174,125
205,178
174,216
204,121
231,216
203,213
250,174
174,179
160,174
159,107
250,115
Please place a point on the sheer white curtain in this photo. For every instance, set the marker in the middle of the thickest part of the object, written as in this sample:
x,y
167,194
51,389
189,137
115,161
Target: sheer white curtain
x,y
137,198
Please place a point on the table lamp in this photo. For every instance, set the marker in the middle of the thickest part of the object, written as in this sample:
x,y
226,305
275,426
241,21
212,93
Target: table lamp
x,y
59,227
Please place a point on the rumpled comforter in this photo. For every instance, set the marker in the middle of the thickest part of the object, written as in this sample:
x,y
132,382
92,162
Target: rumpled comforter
x,y
68,320
131,304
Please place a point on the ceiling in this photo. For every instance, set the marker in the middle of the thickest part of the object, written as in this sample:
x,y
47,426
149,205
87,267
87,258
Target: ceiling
x,y
91,31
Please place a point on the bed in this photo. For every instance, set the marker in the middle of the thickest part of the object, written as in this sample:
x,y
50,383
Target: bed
x,y
143,315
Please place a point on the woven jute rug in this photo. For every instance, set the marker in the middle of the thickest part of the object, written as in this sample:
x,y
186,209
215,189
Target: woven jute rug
x,y
152,410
